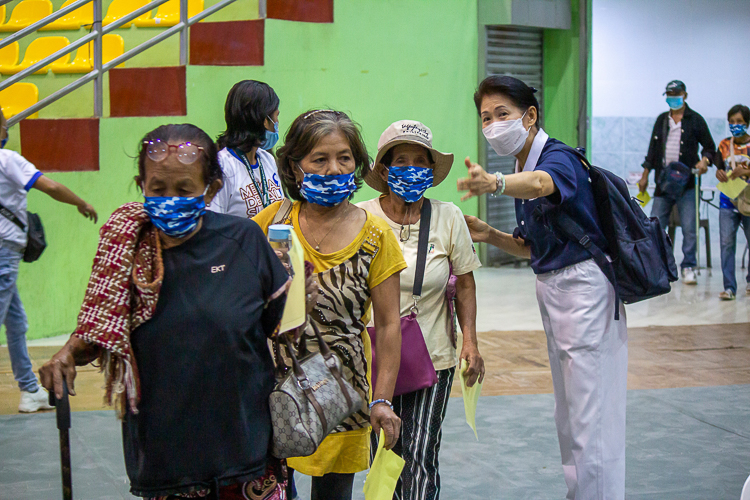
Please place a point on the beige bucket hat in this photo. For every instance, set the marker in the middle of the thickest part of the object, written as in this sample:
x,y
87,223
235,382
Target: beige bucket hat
x,y
408,132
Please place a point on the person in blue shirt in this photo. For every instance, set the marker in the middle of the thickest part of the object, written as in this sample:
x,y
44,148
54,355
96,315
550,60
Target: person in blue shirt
x,y
588,349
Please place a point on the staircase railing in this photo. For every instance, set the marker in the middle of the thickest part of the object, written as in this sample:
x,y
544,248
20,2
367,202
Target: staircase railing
x,y
97,31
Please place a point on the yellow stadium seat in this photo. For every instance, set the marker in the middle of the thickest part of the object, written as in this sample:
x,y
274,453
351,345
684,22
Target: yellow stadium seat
x,y
168,14
112,46
9,56
18,97
38,50
83,16
27,12
121,8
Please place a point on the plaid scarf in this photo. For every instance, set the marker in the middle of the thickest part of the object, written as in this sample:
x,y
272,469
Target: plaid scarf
x,y
121,295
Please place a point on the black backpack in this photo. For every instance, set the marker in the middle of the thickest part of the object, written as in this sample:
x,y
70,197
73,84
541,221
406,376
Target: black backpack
x,y
641,263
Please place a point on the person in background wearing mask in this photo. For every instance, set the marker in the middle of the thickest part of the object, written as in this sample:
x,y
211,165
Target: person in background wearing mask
x,y
251,179
733,162
587,346
405,167
675,138
17,177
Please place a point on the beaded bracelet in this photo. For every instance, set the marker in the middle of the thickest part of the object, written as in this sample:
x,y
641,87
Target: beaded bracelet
x,y
377,401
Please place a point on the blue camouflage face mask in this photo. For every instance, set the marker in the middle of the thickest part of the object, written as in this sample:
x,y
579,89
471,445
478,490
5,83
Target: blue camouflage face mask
x,y
175,216
410,183
737,129
327,190
271,137
675,101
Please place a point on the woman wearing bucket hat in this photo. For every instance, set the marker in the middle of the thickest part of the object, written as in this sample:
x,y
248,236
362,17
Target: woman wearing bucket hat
x,y
587,346
405,167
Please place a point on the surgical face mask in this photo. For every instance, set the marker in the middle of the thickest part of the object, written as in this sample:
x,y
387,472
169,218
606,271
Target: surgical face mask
x,y
737,130
327,190
175,216
271,137
675,101
507,137
410,183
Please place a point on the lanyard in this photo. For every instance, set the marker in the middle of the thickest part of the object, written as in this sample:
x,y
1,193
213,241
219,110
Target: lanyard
x,y
262,190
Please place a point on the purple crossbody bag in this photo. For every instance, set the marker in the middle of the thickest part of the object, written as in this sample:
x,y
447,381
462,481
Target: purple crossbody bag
x,y
416,370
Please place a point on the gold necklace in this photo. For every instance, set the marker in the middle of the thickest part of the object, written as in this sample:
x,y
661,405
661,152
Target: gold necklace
x,y
408,226
317,243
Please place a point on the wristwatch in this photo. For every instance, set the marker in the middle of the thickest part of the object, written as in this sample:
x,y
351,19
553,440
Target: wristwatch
x,y
500,186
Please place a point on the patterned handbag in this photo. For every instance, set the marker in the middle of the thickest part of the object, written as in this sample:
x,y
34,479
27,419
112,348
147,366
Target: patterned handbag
x,y
310,400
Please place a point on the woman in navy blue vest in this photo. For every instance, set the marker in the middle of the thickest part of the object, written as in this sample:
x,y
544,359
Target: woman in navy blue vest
x,y
587,346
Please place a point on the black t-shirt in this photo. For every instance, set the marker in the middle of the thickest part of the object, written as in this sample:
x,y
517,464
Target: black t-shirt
x,y
204,364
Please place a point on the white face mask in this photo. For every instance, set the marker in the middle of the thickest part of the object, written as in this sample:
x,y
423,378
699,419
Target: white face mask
x,y
507,137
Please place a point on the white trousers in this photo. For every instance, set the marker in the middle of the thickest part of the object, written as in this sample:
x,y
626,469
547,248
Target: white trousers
x,y
588,355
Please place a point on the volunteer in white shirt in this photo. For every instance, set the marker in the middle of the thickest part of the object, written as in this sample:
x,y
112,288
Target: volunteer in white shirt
x,y
251,179
17,177
405,167
587,346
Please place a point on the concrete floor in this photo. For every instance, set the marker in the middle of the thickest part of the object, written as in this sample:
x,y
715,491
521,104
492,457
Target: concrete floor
x,y
683,444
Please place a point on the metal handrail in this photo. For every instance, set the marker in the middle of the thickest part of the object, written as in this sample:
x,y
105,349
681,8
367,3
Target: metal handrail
x,y
78,43
96,73
97,33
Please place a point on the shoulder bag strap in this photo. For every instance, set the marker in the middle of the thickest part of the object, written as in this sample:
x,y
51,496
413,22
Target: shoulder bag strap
x,y
283,213
12,217
424,237
574,232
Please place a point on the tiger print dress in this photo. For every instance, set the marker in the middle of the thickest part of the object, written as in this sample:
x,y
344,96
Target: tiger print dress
x,y
343,311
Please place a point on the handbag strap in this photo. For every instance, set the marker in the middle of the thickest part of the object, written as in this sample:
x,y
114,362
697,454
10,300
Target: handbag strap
x,y
304,383
331,363
12,217
424,238
283,213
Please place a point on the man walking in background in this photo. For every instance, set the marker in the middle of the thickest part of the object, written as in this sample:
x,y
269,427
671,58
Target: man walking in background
x,y
17,177
673,154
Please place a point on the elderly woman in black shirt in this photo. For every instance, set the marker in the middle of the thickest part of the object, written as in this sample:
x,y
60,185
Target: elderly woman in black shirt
x,y
179,308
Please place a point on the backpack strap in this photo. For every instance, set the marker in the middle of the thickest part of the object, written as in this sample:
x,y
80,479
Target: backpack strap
x,y
573,231
283,213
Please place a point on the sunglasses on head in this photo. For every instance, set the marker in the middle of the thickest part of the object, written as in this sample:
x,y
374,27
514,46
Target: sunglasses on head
x,y
187,152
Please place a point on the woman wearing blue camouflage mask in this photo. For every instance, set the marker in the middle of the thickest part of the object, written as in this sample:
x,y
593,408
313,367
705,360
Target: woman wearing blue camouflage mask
x,y
405,167
357,262
179,309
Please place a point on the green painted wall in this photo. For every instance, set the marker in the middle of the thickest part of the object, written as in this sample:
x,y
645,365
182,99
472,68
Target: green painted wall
x,y
381,61
561,80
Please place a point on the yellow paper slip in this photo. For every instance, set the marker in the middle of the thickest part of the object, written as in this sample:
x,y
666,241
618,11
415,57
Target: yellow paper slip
x,y
732,188
380,482
471,399
294,310
643,197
